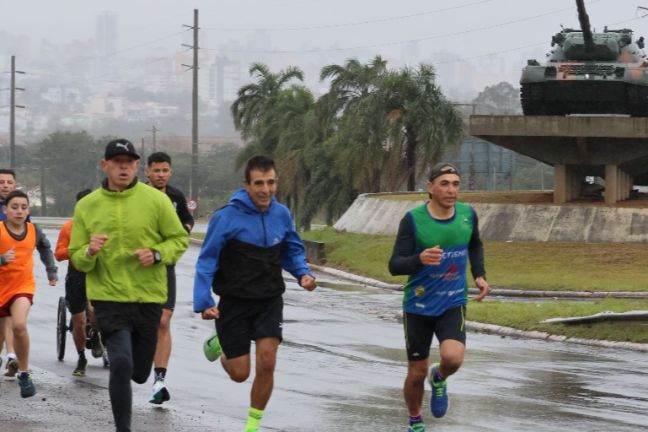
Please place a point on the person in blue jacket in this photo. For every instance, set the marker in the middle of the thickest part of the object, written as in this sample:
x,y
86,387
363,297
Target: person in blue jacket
x,y
247,244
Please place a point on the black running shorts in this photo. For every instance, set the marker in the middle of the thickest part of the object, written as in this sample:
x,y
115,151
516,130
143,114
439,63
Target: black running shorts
x,y
171,285
243,321
75,290
140,319
419,330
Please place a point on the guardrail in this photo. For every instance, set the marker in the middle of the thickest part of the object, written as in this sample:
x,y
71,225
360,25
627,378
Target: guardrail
x,y
50,221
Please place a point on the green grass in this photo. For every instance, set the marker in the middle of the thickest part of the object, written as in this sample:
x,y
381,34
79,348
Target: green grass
x,y
357,253
524,265
567,266
527,265
527,316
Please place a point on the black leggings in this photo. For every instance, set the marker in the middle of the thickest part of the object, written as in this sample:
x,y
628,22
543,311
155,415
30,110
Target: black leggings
x,y
130,335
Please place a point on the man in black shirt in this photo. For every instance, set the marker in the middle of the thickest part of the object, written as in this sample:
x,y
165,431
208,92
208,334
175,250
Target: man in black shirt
x,y
159,172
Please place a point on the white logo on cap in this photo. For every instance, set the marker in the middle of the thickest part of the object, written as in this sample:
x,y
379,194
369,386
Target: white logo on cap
x,y
122,145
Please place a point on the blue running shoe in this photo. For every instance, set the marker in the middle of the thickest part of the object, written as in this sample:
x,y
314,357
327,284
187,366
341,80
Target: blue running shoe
x,y
417,427
439,399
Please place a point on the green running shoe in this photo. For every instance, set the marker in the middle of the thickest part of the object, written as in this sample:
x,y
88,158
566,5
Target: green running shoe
x,y
27,388
417,427
212,348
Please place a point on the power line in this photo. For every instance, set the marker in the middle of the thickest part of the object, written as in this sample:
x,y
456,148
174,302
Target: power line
x,y
143,44
402,42
495,53
352,23
490,54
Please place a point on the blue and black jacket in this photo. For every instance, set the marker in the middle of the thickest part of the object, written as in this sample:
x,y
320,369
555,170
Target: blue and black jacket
x,y
244,252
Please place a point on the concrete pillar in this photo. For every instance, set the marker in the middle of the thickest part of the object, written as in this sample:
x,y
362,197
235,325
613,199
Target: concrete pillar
x,y
611,184
629,183
560,184
567,183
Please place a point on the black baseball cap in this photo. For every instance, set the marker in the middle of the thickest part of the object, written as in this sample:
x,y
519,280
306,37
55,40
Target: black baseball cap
x,y
118,147
442,168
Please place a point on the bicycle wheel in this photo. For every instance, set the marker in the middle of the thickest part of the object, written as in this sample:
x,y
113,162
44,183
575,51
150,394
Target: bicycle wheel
x,y
61,328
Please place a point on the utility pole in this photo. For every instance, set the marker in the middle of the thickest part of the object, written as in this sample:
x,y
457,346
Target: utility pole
x,y
42,188
143,156
193,190
12,113
154,130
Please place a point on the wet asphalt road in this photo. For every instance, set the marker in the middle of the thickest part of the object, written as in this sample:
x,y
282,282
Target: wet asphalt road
x,y
340,368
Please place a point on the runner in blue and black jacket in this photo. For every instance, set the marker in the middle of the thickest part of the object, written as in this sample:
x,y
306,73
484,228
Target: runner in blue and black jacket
x,y
248,243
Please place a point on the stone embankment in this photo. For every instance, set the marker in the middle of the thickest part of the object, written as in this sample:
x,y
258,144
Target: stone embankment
x,y
373,214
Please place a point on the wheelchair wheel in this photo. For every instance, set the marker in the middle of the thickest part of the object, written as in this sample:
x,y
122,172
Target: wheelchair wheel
x,y
61,328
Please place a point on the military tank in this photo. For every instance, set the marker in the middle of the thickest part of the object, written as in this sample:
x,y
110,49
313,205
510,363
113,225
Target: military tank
x,y
588,73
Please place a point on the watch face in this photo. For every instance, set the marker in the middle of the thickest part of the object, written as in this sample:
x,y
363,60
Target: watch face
x,y
157,256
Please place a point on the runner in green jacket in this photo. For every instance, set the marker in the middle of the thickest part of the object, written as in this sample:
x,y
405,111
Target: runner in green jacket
x,y
125,233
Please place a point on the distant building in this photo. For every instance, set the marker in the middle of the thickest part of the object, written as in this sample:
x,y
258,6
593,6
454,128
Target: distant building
x,y
106,42
225,78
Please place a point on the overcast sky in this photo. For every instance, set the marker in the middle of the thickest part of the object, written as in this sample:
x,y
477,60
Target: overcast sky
x,y
306,29
295,23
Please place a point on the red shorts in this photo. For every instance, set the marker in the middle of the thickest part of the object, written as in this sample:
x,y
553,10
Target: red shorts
x,y
5,309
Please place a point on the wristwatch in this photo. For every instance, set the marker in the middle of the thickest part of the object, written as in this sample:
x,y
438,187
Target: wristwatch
x,y
157,256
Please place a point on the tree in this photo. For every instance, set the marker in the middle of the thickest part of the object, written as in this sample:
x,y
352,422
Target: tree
x,y
352,109
501,98
254,110
71,162
421,122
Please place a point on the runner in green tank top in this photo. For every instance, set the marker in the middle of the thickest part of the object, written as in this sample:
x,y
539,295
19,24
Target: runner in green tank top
x,y
433,246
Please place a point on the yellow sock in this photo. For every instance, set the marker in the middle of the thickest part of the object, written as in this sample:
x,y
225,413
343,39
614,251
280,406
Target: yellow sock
x,y
254,419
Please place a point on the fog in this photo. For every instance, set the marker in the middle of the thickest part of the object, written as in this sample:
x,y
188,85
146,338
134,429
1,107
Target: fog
x,y
472,43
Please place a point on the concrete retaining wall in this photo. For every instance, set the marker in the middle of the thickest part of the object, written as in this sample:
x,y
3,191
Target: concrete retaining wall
x,y
369,214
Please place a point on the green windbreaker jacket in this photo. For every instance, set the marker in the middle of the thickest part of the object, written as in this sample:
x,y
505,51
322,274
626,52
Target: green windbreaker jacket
x,y
138,217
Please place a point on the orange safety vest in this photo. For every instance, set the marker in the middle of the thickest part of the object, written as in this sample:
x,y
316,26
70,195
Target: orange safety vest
x,y
17,277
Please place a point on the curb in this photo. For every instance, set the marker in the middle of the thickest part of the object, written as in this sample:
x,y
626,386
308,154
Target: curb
x,y
508,331
494,291
355,278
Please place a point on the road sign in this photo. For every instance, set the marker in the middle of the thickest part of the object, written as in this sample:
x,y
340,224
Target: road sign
x,y
192,205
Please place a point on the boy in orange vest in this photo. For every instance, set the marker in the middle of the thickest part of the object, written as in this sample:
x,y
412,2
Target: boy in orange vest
x,y
18,239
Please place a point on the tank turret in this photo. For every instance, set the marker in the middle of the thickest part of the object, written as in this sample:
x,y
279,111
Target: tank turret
x,y
588,72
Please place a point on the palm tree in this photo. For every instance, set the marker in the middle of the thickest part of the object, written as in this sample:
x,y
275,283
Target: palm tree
x,y
296,119
420,120
350,83
350,110
253,110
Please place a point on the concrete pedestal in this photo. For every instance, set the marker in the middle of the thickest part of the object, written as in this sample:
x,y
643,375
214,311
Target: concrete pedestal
x,y
612,147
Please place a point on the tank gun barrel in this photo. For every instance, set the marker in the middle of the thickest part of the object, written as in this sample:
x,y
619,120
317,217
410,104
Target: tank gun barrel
x,y
583,18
